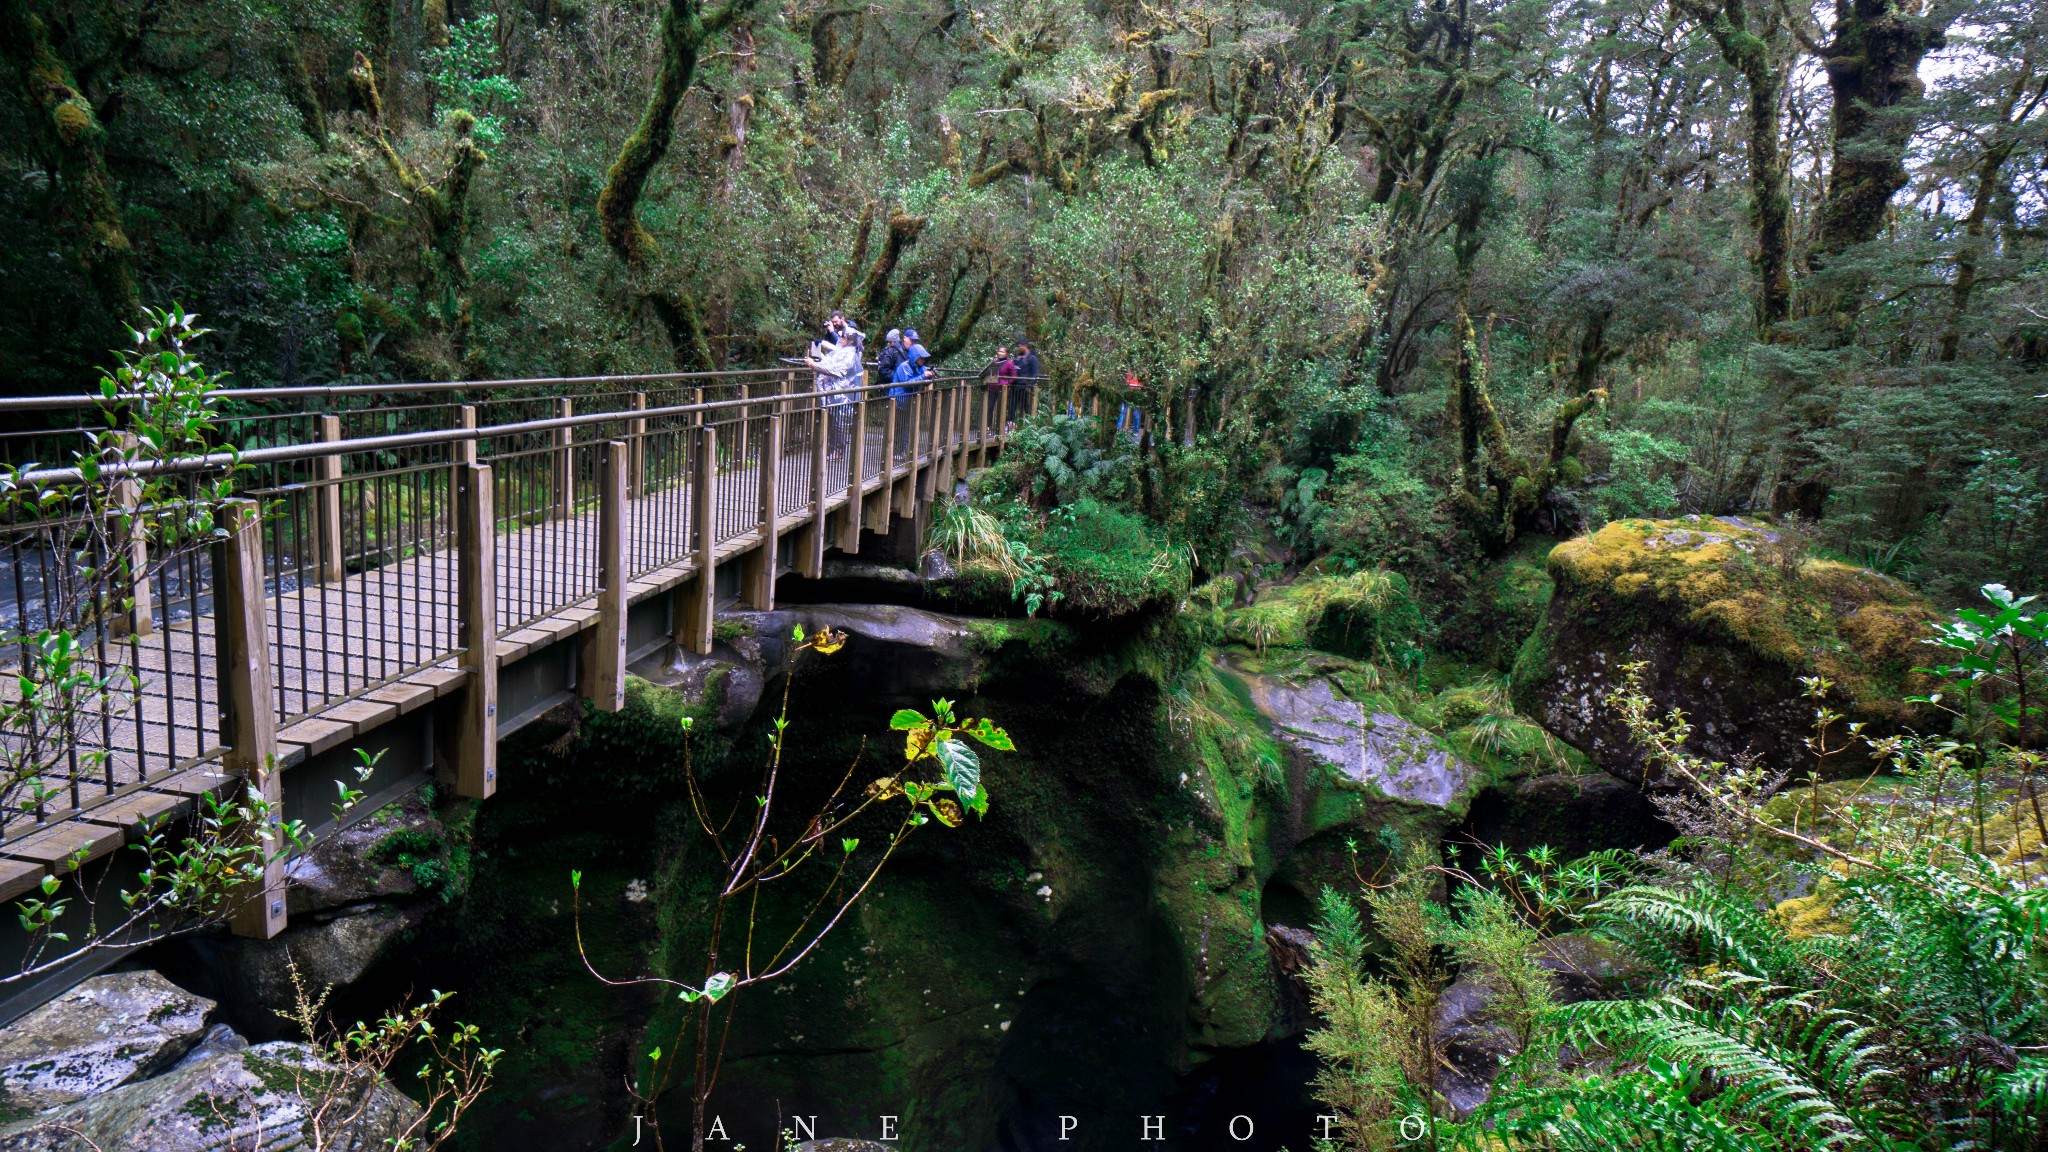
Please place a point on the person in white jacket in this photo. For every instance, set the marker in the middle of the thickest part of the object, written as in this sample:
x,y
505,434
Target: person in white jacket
x,y
839,374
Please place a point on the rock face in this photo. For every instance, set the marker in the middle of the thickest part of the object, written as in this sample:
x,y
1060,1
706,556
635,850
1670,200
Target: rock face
x,y
260,1097
108,1031
252,978
1372,748
348,867
1726,621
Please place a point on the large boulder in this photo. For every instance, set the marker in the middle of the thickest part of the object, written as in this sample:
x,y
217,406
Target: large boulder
x,y
261,1097
253,978
1726,616
1373,748
108,1031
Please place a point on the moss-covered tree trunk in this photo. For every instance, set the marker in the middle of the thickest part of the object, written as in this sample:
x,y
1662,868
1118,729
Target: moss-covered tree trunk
x,y
1757,53
442,207
68,133
684,28
1873,68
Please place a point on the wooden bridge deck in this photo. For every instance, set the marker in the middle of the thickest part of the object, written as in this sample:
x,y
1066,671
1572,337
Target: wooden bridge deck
x,y
351,655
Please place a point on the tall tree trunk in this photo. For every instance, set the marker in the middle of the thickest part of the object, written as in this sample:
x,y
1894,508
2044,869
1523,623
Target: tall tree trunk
x,y
684,28
1990,184
1753,53
739,109
68,132
1873,68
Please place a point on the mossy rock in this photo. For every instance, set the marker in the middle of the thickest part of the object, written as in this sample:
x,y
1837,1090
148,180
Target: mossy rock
x,y
1726,619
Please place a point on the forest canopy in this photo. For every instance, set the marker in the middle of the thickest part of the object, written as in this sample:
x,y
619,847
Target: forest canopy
x,y
1430,274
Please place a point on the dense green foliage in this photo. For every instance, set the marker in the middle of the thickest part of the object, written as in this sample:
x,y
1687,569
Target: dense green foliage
x,y
1423,276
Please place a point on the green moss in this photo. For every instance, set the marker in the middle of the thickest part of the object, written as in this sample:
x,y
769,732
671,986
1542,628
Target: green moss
x,y
1368,613
1732,580
729,630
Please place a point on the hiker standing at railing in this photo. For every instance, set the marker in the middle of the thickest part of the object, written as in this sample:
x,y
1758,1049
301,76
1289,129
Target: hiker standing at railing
x,y
839,371
1029,373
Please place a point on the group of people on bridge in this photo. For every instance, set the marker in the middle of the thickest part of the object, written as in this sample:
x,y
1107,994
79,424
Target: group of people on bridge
x,y
839,357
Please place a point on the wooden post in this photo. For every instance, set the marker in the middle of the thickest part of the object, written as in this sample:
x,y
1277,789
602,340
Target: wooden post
x,y
248,697
327,501
636,454
565,470
697,397
603,679
906,495
476,733
875,509
131,538
992,407
758,579
465,450
812,562
696,598
856,486
963,413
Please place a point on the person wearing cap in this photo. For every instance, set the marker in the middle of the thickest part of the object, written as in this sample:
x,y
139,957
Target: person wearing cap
x,y
890,356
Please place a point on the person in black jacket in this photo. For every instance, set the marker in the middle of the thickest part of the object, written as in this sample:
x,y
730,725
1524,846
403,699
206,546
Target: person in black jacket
x,y
1029,378
889,357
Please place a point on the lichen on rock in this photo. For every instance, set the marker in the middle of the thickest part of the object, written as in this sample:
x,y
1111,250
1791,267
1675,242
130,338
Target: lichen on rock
x,y
1727,615
107,1031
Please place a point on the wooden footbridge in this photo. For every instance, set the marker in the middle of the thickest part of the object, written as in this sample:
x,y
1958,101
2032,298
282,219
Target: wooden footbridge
x,y
419,593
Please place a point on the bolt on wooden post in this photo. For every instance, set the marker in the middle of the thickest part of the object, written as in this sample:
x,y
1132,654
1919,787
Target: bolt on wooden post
x,y
250,724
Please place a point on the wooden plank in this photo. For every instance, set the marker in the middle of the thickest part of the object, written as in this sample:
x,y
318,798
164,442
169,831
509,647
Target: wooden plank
x,y
362,714
204,780
19,878
318,734
404,695
136,807
603,680
476,731
441,680
56,846
246,693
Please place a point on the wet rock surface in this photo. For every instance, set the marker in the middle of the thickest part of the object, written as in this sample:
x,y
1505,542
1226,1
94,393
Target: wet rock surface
x,y
252,978
346,867
1373,748
261,1096
110,1030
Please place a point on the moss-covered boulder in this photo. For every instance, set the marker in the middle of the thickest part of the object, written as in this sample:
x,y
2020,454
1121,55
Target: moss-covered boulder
x,y
1727,616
